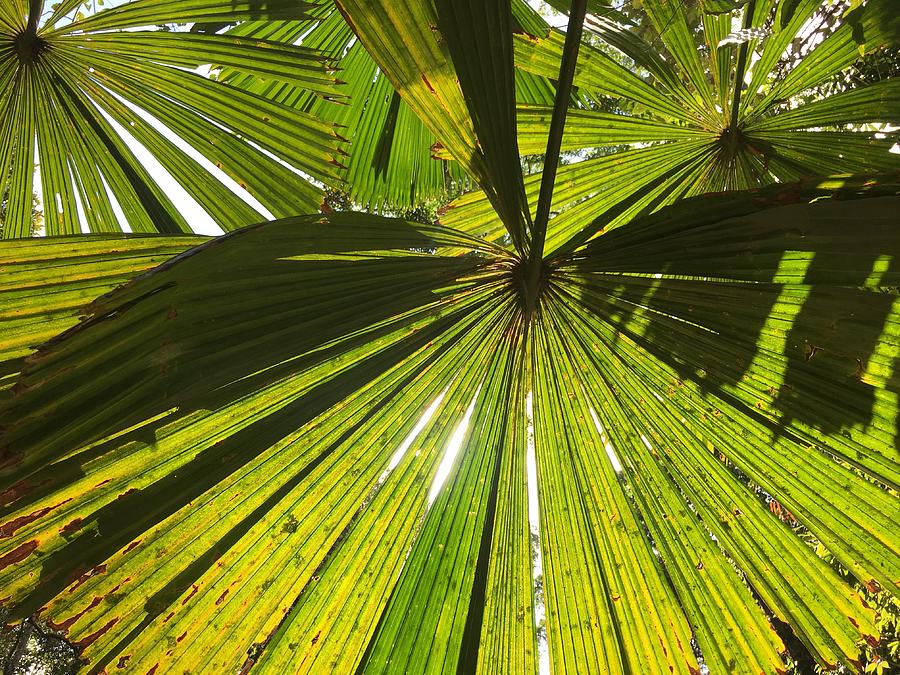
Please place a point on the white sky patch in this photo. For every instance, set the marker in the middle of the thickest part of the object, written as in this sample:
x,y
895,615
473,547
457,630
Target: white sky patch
x,y
413,434
550,15
116,207
198,219
79,206
189,150
610,451
452,450
534,526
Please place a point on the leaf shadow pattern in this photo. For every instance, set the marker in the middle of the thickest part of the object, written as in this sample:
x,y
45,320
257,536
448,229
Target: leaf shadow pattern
x,y
777,310
346,299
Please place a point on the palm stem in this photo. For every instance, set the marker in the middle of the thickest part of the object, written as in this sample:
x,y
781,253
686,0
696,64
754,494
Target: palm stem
x,y
739,72
551,156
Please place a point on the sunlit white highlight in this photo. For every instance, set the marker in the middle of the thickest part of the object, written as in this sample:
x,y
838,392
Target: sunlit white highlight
x,y
607,445
452,450
411,436
534,526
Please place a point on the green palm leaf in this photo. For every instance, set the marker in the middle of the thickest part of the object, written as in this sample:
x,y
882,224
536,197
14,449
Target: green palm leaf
x,y
46,283
69,87
289,453
347,443
390,161
708,147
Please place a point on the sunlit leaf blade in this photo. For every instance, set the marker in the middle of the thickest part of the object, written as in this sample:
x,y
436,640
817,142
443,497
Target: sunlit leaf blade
x,y
595,129
95,100
479,38
309,361
151,12
608,190
670,21
595,71
390,163
425,51
699,360
879,102
608,603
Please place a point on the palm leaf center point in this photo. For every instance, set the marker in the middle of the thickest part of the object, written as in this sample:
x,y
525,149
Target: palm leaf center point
x,y
29,45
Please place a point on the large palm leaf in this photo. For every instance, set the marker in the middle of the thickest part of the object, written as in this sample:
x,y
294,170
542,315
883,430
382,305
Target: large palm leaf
x,y
306,446
708,117
70,88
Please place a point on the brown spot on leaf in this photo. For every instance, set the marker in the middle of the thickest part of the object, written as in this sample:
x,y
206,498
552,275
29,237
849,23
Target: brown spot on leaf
x,y
222,597
131,546
123,661
316,638
17,491
428,84
873,586
18,554
99,569
72,527
93,637
65,625
9,528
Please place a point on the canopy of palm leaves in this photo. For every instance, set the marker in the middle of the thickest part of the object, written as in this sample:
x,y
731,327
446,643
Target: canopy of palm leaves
x,y
70,88
344,442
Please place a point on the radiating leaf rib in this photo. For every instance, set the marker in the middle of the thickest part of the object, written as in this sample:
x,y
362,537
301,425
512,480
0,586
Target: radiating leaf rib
x,y
390,163
140,13
633,607
779,566
428,618
596,71
879,102
670,21
270,60
508,641
589,129
479,39
606,180
644,55
17,222
335,617
834,151
732,632
52,82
